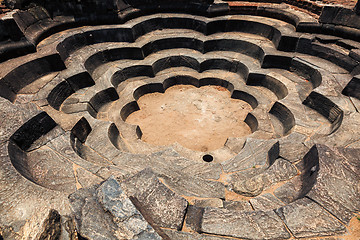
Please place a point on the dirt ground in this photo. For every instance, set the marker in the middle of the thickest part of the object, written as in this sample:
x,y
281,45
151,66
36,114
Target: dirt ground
x,y
354,229
200,119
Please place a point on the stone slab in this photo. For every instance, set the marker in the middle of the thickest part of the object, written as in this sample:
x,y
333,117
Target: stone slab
x,y
280,170
249,225
105,212
255,152
337,186
165,207
237,205
305,218
177,235
266,201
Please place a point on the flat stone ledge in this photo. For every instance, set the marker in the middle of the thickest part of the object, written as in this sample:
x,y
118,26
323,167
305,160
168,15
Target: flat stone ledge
x,y
305,218
248,225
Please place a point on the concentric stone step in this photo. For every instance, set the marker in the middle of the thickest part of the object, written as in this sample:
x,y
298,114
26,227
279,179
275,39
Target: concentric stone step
x,y
65,126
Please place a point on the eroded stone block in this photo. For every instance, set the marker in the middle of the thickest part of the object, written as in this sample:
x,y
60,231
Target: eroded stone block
x,y
165,207
105,212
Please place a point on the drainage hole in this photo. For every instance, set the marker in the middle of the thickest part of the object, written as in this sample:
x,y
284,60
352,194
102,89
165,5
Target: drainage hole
x,y
208,158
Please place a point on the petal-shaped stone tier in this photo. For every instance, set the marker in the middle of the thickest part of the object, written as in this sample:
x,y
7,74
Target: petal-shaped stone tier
x,y
63,127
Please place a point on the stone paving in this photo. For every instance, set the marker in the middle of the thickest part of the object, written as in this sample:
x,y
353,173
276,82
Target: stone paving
x,y
72,167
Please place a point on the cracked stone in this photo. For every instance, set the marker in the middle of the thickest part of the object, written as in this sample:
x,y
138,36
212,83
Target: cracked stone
x,y
105,212
237,205
250,225
256,152
215,202
337,186
280,170
305,218
166,208
266,201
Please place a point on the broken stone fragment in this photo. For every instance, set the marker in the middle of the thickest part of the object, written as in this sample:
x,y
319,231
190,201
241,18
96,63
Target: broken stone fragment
x,y
52,226
280,170
251,187
105,212
194,217
330,177
300,185
165,207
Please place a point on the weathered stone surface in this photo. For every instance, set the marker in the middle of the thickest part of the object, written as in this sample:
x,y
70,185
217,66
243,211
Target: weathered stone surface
x,y
326,38
337,186
225,50
187,166
351,155
345,136
250,187
240,177
292,147
99,141
113,200
182,175
44,167
355,54
214,202
280,170
166,208
300,185
25,205
68,228
176,235
43,140
348,44
86,178
62,146
237,205
197,187
87,214
256,152
13,116
194,217
305,218
352,88
291,190
186,177
105,212
52,227
340,15
248,225
266,201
